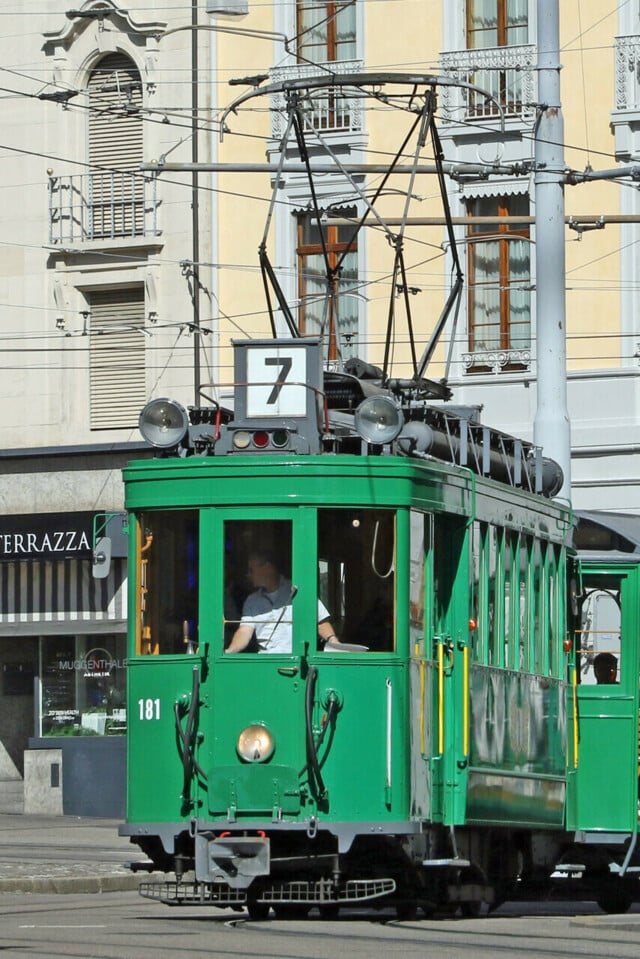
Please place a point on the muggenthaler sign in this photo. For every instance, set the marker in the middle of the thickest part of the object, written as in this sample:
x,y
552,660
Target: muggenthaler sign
x,y
46,536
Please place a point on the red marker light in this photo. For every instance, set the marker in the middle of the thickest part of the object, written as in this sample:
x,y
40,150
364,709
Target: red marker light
x,y
261,439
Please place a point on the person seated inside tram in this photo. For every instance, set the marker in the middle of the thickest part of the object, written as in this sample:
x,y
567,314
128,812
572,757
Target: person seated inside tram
x,y
605,667
267,611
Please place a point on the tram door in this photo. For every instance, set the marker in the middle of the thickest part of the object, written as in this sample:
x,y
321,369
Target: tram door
x,y
606,643
451,626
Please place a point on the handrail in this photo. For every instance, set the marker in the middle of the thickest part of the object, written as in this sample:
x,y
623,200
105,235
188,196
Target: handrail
x,y
440,697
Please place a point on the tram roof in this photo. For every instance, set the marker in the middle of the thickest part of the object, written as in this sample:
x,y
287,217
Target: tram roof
x,y
599,532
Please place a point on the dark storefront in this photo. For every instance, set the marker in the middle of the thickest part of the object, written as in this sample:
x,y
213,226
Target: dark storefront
x,y
62,655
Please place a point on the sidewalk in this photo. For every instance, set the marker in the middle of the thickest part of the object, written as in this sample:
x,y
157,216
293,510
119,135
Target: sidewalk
x,y
65,854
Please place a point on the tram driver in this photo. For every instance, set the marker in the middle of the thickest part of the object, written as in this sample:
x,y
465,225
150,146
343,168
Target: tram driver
x,y
267,611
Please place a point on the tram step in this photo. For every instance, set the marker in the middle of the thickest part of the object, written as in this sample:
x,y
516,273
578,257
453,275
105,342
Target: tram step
x,y
441,863
568,867
323,891
192,894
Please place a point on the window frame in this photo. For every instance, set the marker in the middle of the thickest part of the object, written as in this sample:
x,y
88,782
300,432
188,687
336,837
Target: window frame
x,y
501,232
502,25
335,249
332,45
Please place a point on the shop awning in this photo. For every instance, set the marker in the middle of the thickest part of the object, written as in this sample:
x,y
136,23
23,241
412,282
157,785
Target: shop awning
x,y
61,596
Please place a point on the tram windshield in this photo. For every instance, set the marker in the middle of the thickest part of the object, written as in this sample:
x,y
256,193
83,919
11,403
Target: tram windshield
x,y
355,573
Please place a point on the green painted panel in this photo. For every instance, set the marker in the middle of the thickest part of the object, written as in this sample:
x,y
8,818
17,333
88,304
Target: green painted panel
x,y
364,756
519,800
156,775
259,789
604,787
518,721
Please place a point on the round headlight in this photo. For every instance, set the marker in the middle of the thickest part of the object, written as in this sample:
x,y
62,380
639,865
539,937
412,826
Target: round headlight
x,y
255,744
241,439
164,423
378,420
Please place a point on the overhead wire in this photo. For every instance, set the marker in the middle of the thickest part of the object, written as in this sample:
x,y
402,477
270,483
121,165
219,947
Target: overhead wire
x,y
232,193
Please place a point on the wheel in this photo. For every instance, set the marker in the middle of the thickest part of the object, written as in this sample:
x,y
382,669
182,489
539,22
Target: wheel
x,y
257,910
407,910
330,912
614,901
471,909
291,910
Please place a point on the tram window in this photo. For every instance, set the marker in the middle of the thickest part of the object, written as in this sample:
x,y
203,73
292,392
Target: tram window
x,y
539,572
258,592
495,597
167,582
599,651
475,592
556,611
357,562
421,533
526,603
510,607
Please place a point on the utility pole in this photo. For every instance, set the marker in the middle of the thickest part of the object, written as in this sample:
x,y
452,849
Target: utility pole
x,y
195,214
551,429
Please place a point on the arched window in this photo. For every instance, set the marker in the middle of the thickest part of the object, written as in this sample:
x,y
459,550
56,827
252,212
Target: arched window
x,y
116,193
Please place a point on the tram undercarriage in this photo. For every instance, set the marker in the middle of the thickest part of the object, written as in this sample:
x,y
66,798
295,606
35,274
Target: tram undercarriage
x,y
435,872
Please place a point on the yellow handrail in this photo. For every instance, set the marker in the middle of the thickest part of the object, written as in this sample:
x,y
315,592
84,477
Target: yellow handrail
x,y
574,683
423,668
440,697
465,701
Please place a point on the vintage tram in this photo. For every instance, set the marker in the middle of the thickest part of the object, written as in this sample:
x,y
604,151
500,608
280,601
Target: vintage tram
x,y
434,748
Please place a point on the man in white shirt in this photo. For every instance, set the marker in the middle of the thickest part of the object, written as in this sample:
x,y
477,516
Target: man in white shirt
x,y
268,611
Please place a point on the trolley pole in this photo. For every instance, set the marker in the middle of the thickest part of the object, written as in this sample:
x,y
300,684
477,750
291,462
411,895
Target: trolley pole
x,y
551,429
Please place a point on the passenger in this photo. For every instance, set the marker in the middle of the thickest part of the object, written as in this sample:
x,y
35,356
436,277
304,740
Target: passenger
x,y
267,612
605,667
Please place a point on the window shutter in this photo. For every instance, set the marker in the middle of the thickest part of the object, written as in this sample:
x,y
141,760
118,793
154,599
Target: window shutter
x,y
116,357
116,148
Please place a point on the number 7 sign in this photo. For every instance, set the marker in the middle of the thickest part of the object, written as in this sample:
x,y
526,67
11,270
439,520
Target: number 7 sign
x,y
276,378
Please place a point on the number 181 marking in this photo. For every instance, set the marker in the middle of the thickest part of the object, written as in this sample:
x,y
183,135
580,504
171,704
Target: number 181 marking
x,y
149,708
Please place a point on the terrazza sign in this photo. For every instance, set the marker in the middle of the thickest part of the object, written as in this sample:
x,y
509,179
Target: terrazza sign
x,y
46,536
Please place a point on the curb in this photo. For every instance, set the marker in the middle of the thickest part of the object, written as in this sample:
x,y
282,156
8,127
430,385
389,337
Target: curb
x,y
621,922
70,884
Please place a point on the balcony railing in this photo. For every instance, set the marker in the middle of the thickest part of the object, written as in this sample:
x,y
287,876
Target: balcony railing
x,y
507,74
627,53
332,110
101,206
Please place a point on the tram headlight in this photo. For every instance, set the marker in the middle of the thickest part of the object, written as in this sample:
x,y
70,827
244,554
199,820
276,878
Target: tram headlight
x,y
255,744
379,420
163,423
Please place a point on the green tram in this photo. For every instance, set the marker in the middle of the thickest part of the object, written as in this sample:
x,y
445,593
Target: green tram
x,y
404,725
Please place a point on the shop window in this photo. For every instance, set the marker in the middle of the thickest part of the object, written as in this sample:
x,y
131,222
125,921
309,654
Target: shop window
x,y
83,685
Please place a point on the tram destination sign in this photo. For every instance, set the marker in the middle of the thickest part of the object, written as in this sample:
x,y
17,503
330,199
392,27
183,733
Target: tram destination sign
x,y
46,536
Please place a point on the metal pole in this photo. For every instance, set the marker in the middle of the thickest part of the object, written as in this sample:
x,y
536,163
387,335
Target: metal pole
x,y
551,429
195,218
